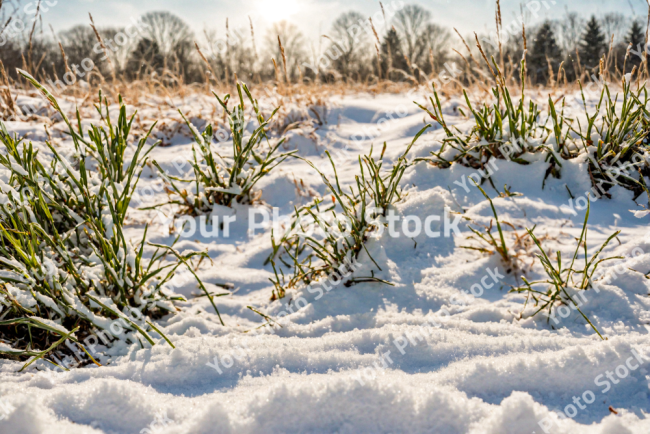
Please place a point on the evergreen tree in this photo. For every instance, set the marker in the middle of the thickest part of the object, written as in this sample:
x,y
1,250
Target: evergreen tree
x,y
544,50
592,45
637,38
392,56
636,35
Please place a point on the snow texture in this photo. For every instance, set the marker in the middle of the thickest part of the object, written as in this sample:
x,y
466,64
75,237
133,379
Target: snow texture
x,y
370,358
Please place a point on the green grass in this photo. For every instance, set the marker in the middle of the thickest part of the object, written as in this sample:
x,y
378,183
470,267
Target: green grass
x,y
343,237
616,157
220,180
614,138
67,268
497,123
559,278
499,246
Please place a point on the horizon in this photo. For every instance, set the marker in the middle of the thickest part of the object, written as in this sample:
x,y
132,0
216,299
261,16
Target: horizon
x,y
314,17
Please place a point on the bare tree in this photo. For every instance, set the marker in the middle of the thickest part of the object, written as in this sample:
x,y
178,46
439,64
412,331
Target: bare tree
x,y
411,24
569,31
21,37
78,43
121,46
293,43
435,40
166,42
349,45
616,24
167,30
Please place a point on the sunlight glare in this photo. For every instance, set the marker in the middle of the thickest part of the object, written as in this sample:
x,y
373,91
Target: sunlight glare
x,y
276,10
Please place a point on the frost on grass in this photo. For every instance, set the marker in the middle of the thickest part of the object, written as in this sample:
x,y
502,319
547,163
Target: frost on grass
x,y
221,180
486,369
67,267
343,237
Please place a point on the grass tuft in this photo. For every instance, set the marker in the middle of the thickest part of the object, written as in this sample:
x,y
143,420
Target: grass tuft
x,y
561,279
343,235
222,180
616,147
66,267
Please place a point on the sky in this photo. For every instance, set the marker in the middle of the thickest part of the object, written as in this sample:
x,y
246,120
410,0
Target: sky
x,y
314,17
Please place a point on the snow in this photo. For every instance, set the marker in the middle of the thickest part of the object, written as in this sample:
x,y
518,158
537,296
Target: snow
x,y
461,360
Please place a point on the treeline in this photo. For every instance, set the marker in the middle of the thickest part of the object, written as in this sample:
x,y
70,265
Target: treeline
x,y
403,44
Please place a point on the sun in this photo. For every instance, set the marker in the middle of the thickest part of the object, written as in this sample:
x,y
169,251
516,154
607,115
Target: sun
x,y
277,10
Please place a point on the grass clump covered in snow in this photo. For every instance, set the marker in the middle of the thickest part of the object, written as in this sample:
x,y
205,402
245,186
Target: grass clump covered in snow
x,y
66,267
511,257
618,150
614,143
343,234
503,122
221,180
614,139
560,281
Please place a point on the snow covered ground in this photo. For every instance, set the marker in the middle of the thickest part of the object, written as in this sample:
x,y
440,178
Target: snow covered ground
x,y
424,355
